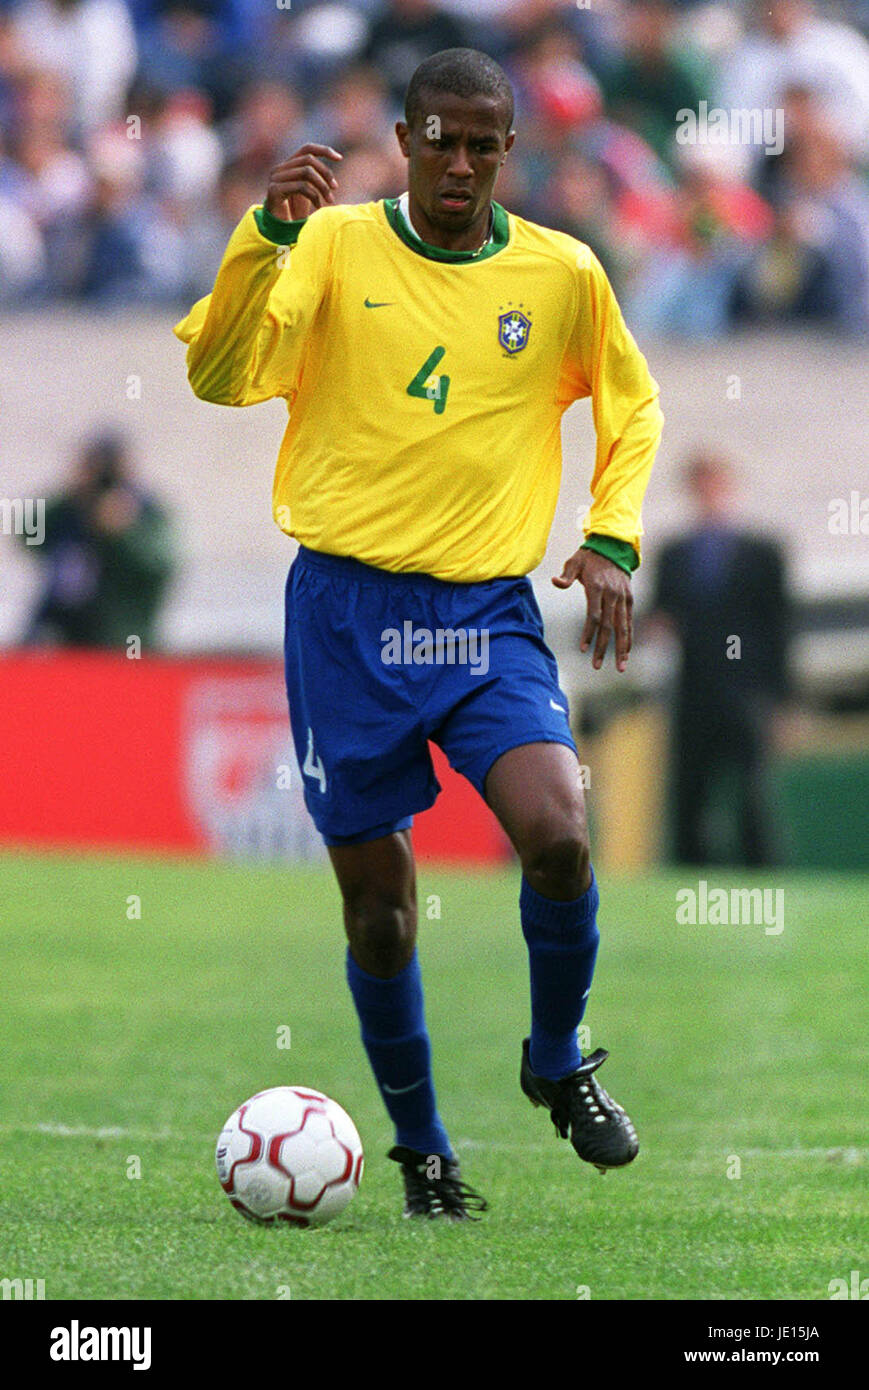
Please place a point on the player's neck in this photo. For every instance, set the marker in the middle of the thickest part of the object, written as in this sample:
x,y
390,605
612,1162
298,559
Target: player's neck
x,y
472,238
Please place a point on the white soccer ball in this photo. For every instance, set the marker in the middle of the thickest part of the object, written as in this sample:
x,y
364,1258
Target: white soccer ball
x,y
289,1154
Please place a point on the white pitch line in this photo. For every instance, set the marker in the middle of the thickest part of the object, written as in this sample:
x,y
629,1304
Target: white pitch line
x,y
59,1131
834,1154
848,1156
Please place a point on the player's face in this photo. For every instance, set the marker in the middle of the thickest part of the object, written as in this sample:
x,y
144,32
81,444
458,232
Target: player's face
x,y
455,153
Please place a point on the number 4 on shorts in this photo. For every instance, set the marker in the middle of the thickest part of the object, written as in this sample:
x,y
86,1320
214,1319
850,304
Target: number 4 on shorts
x,y
313,767
428,385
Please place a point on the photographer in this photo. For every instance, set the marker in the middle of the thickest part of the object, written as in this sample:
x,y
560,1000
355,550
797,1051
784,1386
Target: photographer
x,y
107,555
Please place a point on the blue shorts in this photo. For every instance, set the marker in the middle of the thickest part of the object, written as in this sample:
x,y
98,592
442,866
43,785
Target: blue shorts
x,y
379,663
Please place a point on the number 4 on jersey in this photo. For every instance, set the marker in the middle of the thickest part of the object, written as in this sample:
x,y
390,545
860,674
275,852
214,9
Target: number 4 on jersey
x,y
313,767
429,386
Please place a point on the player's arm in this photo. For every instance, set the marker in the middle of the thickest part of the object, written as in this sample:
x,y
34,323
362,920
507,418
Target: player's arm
x,y
628,422
245,339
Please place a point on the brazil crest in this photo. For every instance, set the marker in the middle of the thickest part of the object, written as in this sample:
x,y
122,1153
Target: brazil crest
x,y
513,330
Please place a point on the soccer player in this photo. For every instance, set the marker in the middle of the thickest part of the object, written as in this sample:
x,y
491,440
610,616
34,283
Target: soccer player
x,y
427,347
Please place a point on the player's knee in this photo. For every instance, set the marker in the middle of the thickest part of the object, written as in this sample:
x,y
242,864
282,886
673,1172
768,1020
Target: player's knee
x,y
381,932
557,863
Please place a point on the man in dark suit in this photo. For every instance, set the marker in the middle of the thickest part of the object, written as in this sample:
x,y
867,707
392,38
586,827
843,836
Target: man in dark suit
x,y
724,592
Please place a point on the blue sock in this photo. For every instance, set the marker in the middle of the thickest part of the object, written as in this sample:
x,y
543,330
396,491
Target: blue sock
x,y
562,941
395,1037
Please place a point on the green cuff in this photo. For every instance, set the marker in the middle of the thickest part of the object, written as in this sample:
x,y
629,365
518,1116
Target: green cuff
x,y
276,230
621,553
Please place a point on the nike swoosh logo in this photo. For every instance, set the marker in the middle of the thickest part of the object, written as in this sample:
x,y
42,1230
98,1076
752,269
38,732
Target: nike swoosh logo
x,y
560,708
385,304
402,1090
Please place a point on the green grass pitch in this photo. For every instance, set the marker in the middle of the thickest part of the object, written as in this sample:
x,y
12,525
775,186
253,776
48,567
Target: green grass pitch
x,y
125,1039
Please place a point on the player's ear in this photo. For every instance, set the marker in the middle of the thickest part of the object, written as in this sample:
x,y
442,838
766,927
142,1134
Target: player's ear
x,y
508,144
403,133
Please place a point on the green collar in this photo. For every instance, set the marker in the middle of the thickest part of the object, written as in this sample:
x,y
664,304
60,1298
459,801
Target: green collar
x,y
499,239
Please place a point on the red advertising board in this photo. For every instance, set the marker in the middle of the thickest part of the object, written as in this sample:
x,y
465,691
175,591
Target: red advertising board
x,y
185,756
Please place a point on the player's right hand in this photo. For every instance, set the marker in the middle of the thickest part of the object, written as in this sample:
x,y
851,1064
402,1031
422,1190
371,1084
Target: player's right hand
x,y
302,183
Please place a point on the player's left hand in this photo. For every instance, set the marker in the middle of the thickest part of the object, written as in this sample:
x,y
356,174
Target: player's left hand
x,y
609,604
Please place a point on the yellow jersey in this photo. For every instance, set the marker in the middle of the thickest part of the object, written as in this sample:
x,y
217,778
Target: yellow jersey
x,y
425,388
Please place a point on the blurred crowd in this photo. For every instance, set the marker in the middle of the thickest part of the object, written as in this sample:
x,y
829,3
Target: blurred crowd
x,y
135,133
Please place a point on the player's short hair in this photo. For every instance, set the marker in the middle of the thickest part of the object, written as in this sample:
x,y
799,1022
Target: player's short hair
x,y
463,72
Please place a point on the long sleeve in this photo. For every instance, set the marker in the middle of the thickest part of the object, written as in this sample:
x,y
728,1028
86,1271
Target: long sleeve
x,y
246,339
628,421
